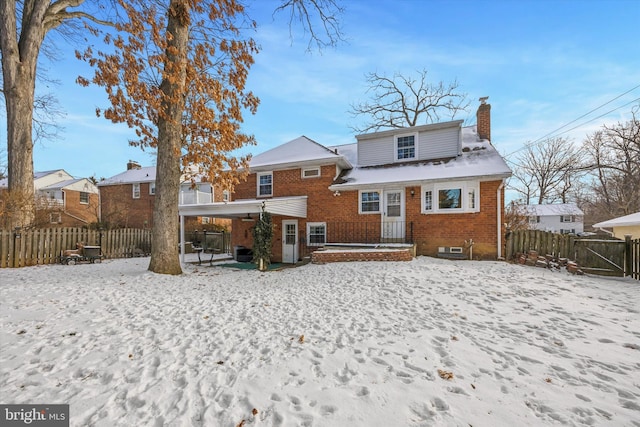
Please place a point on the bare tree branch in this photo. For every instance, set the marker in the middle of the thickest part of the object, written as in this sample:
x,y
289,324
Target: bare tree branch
x,y
312,15
404,101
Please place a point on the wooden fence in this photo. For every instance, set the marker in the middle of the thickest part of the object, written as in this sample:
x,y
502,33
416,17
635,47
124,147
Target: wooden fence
x,y
43,246
607,256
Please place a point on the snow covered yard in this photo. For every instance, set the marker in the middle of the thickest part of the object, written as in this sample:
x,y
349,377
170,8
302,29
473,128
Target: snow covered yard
x,y
423,343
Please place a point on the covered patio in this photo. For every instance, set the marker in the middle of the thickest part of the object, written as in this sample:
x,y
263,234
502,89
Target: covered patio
x,y
245,209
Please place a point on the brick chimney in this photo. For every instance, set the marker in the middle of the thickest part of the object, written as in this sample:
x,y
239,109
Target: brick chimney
x,y
132,164
483,118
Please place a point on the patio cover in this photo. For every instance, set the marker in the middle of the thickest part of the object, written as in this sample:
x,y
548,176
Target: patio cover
x,y
286,206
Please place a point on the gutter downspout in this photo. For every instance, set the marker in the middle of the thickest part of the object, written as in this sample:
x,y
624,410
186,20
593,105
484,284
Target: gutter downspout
x,y
610,233
499,204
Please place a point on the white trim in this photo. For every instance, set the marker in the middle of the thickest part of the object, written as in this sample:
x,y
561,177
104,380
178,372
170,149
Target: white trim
x,y
415,147
380,202
316,224
466,189
303,170
285,246
258,175
133,190
88,197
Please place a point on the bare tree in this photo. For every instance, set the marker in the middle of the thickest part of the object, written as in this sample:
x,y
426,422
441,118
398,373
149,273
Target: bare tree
x,y
545,171
613,158
402,101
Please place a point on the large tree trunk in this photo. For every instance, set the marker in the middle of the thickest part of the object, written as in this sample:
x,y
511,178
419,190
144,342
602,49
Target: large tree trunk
x,y
164,241
19,61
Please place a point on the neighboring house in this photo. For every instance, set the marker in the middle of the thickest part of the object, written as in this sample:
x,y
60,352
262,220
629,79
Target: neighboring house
x,y
127,199
558,218
62,200
623,226
438,186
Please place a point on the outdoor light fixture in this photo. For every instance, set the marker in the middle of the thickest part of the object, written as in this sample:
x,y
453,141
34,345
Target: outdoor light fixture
x,y
413,192
336,193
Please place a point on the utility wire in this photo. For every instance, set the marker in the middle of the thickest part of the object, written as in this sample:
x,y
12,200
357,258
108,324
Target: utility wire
x,y
586,114
575,120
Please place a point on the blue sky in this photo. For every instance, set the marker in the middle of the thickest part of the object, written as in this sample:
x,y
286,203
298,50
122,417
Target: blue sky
x,y
543,65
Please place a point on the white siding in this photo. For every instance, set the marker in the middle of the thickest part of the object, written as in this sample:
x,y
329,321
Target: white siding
x,y
552,223
439,144
376,151
433,143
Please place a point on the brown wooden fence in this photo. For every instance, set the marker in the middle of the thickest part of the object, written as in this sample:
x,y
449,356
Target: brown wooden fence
x,y
44,246
607,256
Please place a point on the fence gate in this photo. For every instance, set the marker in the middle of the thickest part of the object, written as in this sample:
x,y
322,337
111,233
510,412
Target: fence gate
x,y
604,257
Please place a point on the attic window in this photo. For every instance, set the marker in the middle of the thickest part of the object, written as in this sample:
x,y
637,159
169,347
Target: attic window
x,y
405,147
311,173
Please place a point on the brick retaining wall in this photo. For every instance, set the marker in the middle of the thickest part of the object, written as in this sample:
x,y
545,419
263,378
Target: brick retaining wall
x,y
322,257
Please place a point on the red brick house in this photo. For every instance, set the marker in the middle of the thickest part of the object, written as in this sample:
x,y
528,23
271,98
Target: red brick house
x,y
439,187
62,200
127,199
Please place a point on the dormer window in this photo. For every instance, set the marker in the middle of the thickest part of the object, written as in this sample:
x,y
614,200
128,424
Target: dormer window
x,y
405,147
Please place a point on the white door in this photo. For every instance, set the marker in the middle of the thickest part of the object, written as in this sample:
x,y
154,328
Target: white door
x,y
393,216
290,241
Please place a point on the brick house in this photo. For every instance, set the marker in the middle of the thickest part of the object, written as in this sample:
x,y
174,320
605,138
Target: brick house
x,y
127,199
439,187
62,200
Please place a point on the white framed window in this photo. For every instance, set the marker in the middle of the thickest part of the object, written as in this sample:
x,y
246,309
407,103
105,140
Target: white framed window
x,y
152,188
534,219
427,204
451,197
204,220
84,198
405,147
55,218
316,233
265,184
567,218
369,202
225,195
136,190
311,173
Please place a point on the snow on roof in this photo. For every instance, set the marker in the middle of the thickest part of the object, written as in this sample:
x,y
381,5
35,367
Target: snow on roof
x,y
479,159
4,182
299,150
61,184
146,174
554,209
627,220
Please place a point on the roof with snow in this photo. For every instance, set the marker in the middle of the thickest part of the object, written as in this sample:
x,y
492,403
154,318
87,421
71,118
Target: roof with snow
x,y
297,152
62,184
479,160
554,209
145,174
4,182
623,221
